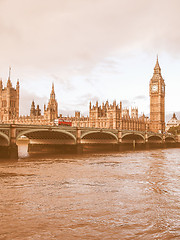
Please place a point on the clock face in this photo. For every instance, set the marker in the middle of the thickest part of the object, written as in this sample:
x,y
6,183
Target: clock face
x,y
154,88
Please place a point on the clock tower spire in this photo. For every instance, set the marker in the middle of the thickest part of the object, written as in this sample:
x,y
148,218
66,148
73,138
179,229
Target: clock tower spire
x,y
157,100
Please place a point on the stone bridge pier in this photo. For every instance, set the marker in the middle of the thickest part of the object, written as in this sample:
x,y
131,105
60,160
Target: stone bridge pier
x,y
13,148
8,146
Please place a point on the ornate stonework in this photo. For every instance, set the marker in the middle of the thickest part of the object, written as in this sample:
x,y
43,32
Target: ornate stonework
x,y
9,108
111,116
51,112
9,101
157,101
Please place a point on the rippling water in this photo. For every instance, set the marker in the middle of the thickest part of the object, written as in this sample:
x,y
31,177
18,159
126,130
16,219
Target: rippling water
x,y
130,195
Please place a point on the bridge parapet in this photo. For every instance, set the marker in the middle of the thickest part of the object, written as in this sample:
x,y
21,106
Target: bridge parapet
x,y
77,135
20,129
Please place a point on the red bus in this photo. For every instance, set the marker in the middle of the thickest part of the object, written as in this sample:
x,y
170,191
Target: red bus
x,y
62,122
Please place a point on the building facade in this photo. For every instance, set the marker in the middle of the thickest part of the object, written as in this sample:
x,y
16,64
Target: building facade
x,y
112,116
9,101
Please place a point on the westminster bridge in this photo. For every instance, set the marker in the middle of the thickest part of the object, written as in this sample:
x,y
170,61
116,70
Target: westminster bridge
x,y
77,139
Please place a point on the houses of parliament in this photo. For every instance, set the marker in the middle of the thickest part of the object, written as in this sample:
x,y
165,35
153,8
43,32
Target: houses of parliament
x,y
107,115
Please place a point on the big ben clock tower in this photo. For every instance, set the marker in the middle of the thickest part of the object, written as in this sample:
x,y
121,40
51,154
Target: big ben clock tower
x,y
157,101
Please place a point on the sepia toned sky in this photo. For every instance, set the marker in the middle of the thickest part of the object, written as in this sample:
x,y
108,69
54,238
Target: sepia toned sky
x,y
91,50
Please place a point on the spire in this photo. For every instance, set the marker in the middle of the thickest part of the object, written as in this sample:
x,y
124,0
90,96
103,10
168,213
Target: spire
x,y
17,84
52,88
9,84
157,68
9,73
157,63
52,96
174,116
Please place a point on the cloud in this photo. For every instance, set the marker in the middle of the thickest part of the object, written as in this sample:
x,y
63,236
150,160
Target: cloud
x,y
126,103
54,33
66,83
140,97
76,44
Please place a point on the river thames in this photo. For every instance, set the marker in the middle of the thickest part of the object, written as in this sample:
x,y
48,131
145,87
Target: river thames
x,y
126,195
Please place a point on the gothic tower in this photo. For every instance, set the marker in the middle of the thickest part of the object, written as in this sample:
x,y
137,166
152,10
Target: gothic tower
x,y
9,101
51,112
157,101
35,111
32,110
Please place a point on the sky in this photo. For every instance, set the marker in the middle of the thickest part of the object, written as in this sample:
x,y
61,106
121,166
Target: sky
x,y
92,50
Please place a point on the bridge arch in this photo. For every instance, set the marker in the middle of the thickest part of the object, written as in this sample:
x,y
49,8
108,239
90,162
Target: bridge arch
x,y
129,137
155,139
58,134
170,139
4,139
99,137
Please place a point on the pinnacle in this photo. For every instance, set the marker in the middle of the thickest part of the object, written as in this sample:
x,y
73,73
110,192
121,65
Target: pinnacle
x,y
157,63
157,68
52,91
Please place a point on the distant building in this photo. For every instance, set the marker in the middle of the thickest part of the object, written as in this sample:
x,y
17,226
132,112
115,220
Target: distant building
x,y
173,122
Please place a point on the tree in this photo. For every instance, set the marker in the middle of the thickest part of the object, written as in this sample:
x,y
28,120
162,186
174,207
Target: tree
x,y
174,130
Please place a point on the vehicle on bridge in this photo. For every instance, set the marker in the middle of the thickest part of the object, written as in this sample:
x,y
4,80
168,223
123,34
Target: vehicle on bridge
x,y
62,122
